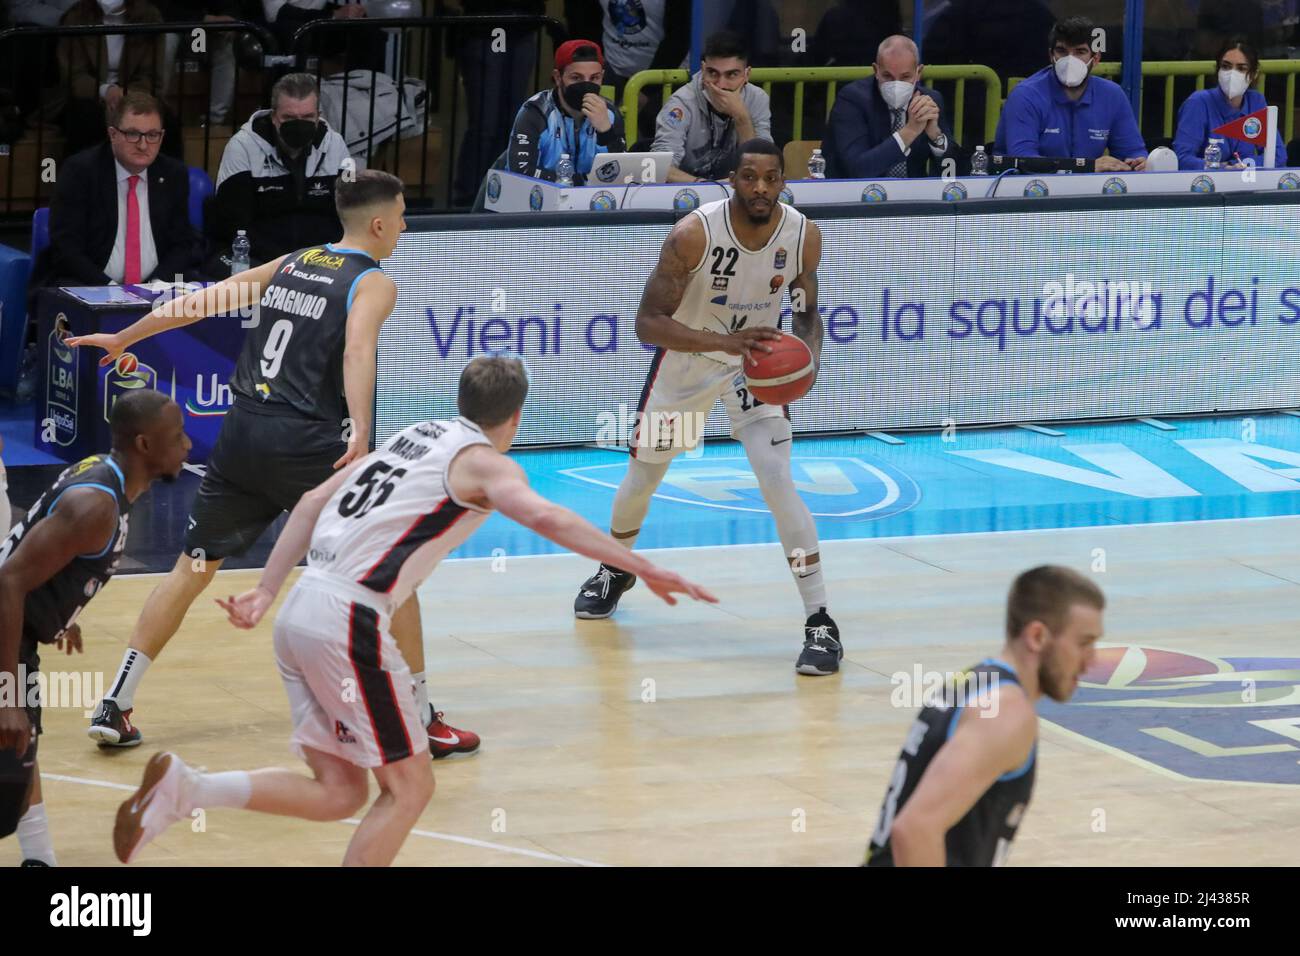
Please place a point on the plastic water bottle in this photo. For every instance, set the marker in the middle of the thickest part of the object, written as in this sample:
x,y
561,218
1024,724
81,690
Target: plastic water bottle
x,y
564,171
979,163
240,250
1214,154
817,165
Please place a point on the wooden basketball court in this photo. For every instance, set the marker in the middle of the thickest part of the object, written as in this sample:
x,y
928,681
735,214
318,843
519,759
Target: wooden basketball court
x,y
682,736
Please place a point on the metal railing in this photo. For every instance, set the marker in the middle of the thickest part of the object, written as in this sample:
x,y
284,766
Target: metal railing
x,y
830,77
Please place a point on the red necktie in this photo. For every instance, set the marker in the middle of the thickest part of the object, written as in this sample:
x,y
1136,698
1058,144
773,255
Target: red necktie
x,y
132,271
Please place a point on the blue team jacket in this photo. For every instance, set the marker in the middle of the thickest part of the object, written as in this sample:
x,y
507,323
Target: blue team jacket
x,y
1038,119
1207,110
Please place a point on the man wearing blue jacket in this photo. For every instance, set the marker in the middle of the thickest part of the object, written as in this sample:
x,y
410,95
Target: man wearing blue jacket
x,y
888,125
1064,111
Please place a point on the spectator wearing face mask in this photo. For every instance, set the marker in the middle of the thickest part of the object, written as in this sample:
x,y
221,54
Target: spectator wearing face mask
x,y
888,125
571,117
1064,111
702,123
277,176
1206,110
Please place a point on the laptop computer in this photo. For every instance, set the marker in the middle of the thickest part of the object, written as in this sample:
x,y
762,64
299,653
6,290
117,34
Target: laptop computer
x,y
617,169
1040,164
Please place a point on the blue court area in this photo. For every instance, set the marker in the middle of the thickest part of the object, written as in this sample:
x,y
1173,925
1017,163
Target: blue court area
x,y
962,481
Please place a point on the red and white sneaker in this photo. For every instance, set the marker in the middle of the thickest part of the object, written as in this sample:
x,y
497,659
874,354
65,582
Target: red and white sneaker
x,y
445,740
163,798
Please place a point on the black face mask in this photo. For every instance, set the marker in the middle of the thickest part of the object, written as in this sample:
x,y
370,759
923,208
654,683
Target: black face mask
x,y
574,92
297,133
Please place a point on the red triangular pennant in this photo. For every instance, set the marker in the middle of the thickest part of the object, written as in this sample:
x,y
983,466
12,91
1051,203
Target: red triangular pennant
x,y
1251,128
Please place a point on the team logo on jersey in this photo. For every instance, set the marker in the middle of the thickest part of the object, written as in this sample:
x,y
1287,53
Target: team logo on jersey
x,y
775,284
1036,189
604,201
1288,181
1202,184
778,260
319,258
874,193
787,196
344,735
535,199
607,171
1252,127
1114,186
1208,718
720,283
494,188
686,200
737,323
675,116
954,192
287,268
861,487
127,375
719,299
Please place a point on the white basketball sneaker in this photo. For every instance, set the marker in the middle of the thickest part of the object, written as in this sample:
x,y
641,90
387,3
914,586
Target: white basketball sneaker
x,y
163,798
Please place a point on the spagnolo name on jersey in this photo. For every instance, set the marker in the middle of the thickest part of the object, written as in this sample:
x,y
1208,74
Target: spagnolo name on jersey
x,y
304,304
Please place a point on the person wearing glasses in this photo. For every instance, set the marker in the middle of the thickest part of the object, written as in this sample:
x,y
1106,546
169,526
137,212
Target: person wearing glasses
x,y
120,211
1231,98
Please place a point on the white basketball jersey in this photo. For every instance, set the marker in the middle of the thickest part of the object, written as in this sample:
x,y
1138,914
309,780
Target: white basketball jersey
x,y
396,519
734,288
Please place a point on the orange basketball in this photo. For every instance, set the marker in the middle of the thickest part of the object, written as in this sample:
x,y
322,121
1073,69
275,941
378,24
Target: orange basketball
x,y
782,375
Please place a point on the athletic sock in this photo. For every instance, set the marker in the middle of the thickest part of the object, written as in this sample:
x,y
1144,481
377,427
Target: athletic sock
x,y
422,705
34,836
812,588
231,788
129,675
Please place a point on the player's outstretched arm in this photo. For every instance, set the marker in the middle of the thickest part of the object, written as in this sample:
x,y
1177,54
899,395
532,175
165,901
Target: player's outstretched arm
x,y
987,744
373,304
228,295
805,321
481,475
82,523
248,608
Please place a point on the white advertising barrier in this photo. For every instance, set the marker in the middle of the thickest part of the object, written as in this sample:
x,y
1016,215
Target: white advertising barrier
x,y
1000,316
510,192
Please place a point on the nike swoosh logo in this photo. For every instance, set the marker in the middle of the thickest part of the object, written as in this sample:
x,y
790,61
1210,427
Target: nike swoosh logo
x,y
781,442
453,739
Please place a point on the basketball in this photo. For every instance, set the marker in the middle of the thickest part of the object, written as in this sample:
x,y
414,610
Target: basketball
x,y
783,375
127,363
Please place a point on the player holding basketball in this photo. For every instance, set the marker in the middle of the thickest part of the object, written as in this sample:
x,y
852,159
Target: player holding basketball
x,y
303,388
966,771
372,534
59,556
713,301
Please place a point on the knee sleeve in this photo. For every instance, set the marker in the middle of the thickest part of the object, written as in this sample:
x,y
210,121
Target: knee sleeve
x,y
767,446
632,500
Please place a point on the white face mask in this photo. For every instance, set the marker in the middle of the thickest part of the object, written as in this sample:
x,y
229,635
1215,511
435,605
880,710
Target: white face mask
x,y
1233,83
896,93
112,7
1071,71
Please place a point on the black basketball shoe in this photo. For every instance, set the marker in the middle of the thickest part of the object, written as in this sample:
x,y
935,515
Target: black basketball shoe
x,y
822,651
600,593
111,727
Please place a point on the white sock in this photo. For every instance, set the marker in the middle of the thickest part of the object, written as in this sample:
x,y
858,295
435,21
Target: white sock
x,y
129,675
232,788
422,705
812,588
34,836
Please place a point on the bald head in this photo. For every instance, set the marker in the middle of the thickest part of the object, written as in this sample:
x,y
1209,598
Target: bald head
x,y
897,54
136,413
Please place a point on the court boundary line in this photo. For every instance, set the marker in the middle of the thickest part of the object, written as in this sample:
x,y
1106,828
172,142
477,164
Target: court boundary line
x,y
352,821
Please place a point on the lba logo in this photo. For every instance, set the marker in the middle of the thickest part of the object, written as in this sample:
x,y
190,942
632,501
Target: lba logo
x,y
832,487
1208,718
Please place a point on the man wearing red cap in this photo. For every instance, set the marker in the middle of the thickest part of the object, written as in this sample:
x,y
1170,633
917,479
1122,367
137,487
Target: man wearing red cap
x,y
571,117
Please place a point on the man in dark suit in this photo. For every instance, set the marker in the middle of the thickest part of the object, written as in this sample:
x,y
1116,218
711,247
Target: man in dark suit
x,y
120,213
889,125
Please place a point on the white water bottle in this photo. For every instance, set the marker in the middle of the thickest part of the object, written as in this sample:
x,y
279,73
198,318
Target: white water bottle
x,y
1214,154
240,250
564,171
817,165
979,163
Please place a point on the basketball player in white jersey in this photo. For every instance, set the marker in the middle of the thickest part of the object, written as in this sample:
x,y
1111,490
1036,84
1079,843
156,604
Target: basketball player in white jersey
x,y
372,534
713,301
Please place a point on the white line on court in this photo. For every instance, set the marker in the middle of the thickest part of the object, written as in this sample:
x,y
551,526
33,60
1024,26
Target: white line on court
x,y
427,834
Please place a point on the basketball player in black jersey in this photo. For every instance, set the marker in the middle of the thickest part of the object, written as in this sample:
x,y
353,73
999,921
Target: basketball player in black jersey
x,y
303,390
58,557
966,771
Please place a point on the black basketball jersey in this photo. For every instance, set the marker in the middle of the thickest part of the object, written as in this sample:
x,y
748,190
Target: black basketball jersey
x,y
53,607
983,836
292,360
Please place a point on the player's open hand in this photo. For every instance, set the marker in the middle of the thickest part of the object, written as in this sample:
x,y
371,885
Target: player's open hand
x,y
113,346
247,609
15,729
70,639
749,342
357,448
665,584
